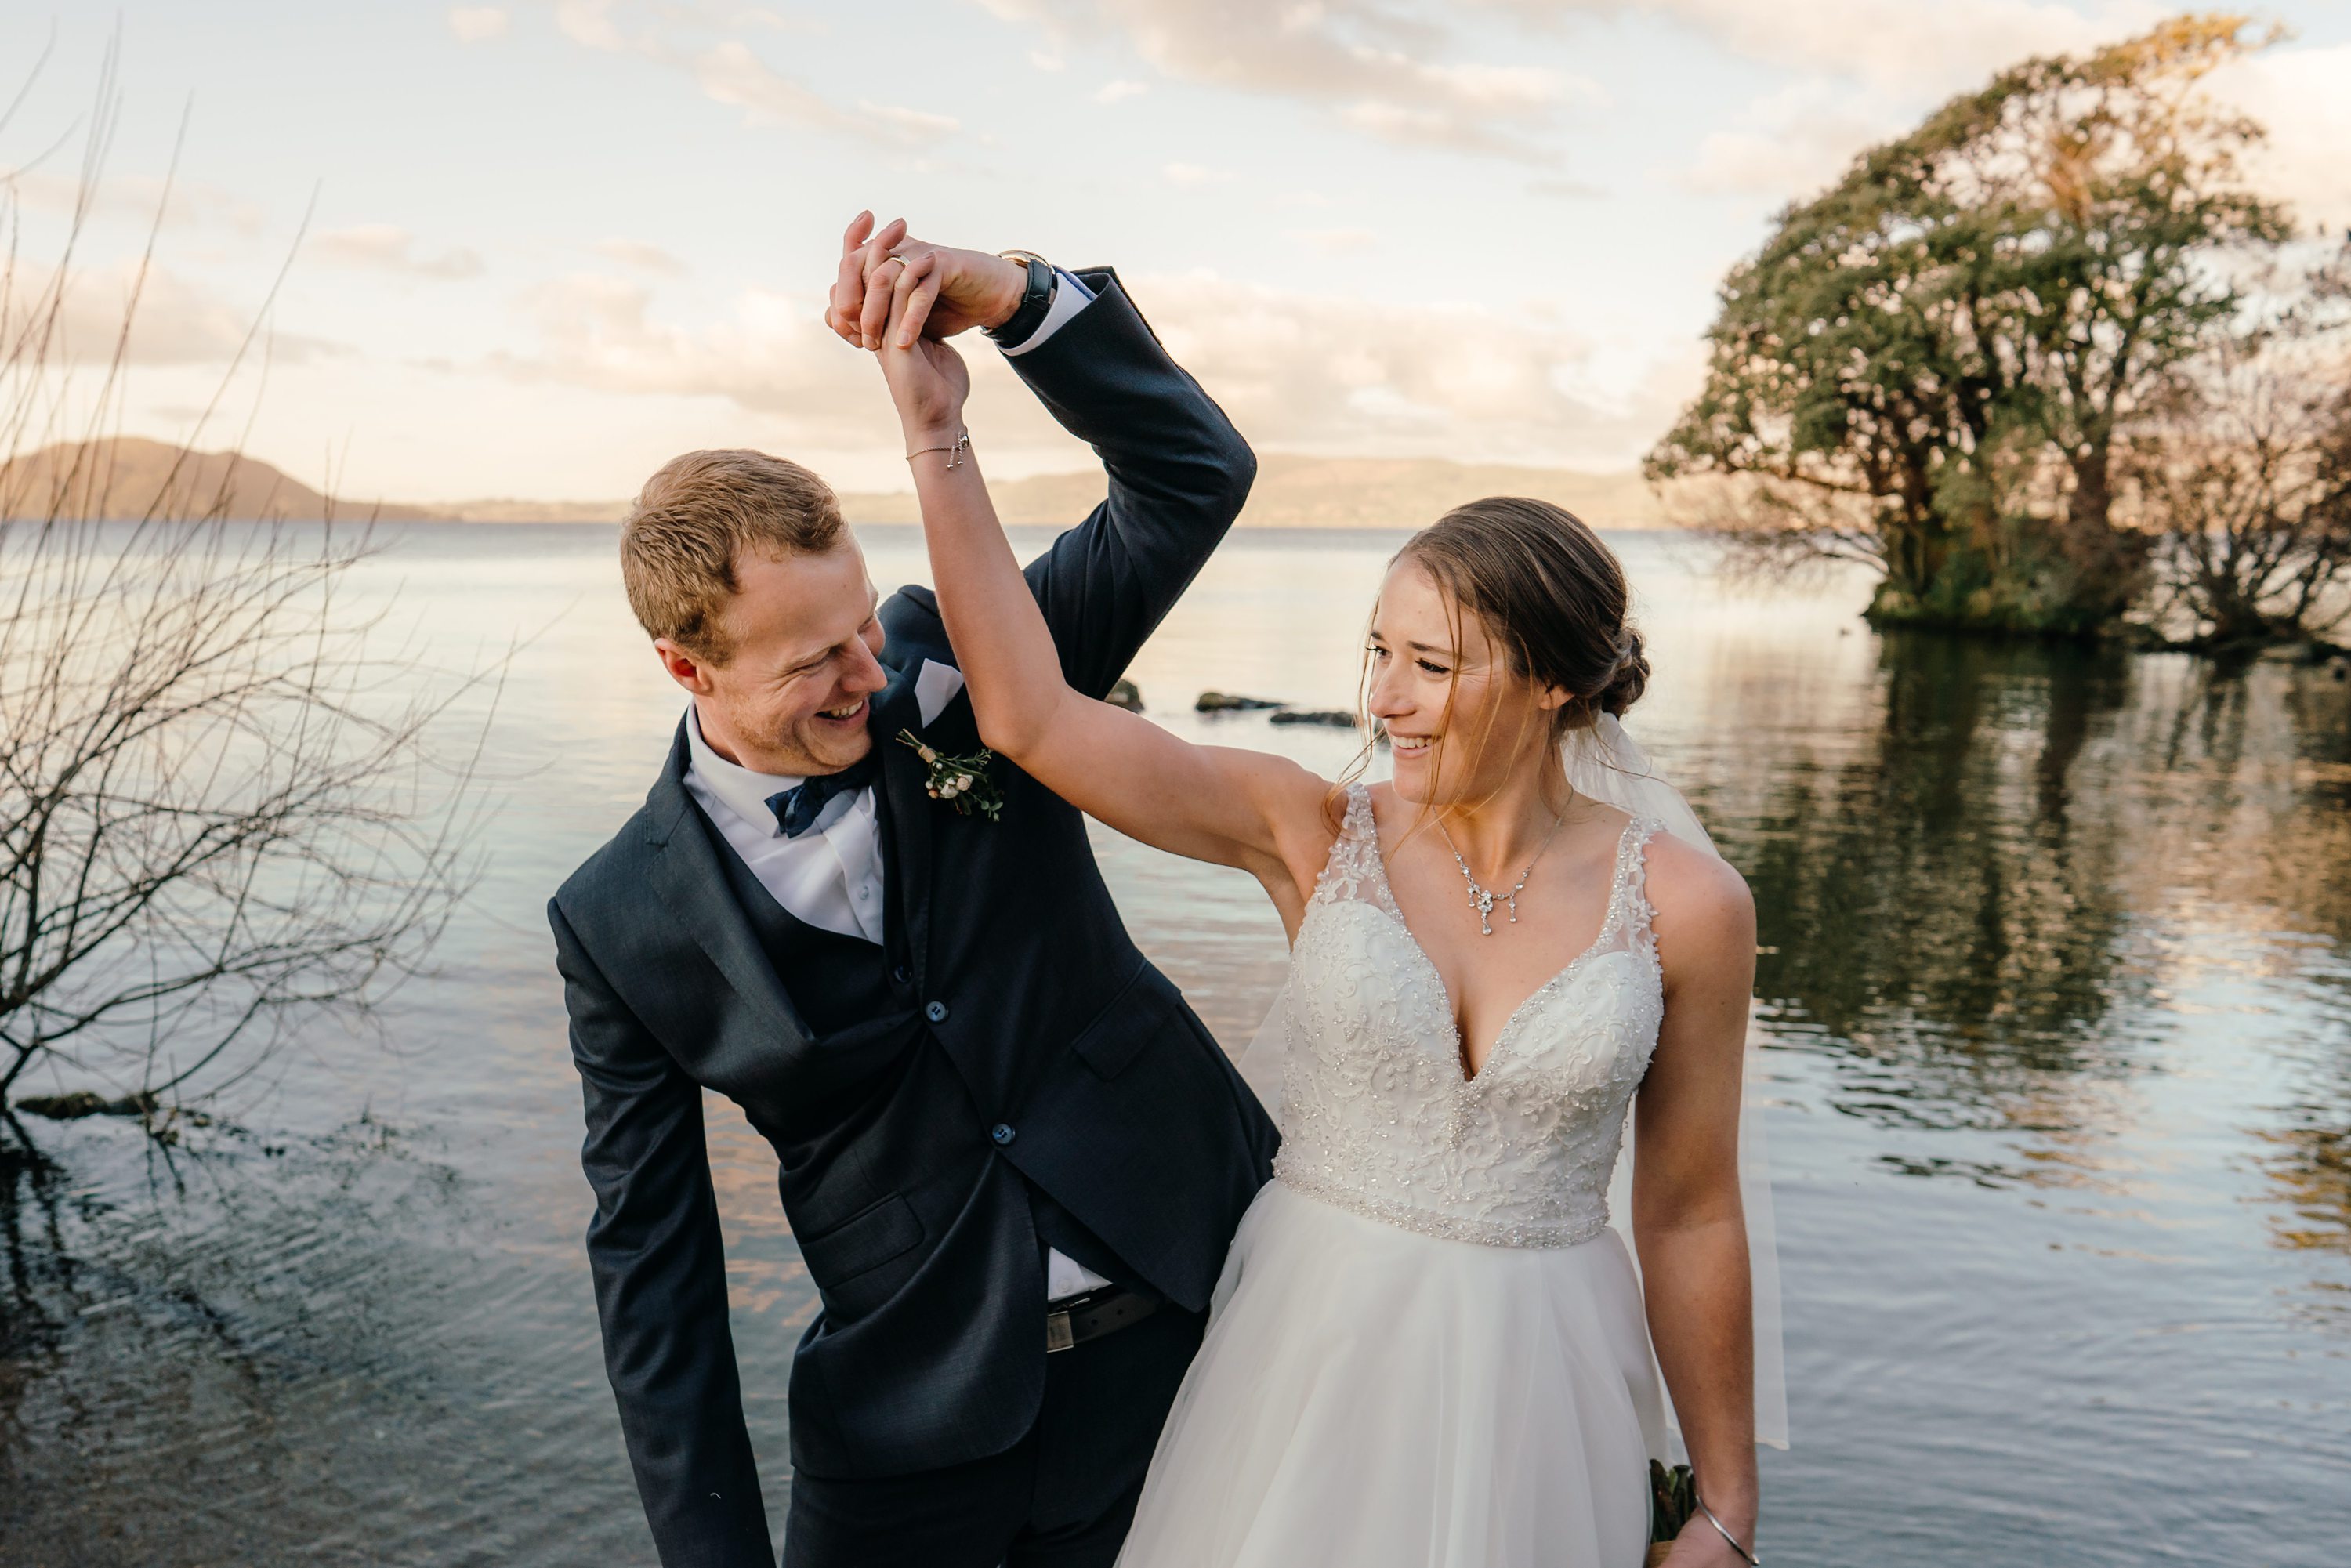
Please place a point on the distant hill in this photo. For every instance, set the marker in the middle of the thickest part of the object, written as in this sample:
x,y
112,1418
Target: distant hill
x,y
128,473
129,476
507,509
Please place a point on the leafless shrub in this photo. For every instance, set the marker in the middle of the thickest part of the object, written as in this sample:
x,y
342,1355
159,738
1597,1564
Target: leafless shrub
x,y
1772,530
224,802
2249,479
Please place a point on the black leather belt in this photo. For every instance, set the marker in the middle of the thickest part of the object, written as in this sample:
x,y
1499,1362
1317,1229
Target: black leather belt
x,y
1073,1319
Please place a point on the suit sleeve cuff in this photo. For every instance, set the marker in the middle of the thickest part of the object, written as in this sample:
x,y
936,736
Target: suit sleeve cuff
x,y
1070,297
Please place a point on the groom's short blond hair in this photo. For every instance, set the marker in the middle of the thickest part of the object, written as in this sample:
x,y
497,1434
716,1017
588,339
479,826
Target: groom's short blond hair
x,y
693,521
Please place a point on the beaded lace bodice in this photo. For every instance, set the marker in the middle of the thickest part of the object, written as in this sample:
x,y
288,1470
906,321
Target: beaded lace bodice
x,y
1378,1117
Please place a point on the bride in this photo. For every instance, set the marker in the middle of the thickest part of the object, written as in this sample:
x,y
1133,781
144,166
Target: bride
x,y
1428,1346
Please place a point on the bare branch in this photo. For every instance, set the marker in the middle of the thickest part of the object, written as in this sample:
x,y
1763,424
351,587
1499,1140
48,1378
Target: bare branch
x,y
224,803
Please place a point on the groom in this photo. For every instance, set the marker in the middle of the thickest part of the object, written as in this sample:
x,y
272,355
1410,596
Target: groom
x,y
1011,1156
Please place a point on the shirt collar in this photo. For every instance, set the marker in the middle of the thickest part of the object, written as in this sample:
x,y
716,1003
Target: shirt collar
x,y
745,791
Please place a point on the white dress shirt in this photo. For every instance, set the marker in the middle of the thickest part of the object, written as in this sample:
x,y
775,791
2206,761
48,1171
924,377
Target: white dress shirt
x,y
830,877
1070,296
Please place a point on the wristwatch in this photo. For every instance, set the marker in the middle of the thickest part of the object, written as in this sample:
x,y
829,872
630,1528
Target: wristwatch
x,y
1035,300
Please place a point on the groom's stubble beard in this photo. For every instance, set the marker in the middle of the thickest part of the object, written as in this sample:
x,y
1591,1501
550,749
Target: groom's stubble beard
x,y
792,746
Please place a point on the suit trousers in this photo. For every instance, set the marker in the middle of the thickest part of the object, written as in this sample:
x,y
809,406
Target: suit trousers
x,y
1059,1498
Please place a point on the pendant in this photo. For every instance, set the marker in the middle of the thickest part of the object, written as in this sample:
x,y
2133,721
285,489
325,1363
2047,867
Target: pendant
x,y
1482,898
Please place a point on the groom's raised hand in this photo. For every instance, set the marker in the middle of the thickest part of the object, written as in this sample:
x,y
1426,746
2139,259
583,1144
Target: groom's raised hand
x,y
944,290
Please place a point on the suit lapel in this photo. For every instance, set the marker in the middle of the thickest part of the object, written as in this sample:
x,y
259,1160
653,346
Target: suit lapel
x,y
906,850
688,878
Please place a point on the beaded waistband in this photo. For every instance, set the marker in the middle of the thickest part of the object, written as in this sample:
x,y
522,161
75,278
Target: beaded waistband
x,y
1435,1222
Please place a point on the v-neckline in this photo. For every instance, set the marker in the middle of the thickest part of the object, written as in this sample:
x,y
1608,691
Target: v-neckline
x,y
1609,916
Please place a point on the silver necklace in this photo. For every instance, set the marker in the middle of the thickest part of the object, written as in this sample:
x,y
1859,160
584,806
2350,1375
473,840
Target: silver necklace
x,y
1482,898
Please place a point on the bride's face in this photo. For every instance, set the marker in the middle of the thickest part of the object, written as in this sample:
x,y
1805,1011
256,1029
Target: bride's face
x,y
1459,720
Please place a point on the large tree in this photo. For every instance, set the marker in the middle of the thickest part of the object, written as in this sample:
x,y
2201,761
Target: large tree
x,y
1932,365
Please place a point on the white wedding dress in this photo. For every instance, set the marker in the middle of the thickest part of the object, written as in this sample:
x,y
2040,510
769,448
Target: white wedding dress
x,y
1427,1347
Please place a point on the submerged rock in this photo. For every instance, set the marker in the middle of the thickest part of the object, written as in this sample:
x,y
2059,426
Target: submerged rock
x,y
1125,694
1337,718
82,1102
1220,702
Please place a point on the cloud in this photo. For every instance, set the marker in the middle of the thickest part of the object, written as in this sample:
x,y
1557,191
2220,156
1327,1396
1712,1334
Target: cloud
x,y
1372,65
1331,242
1193,175
177,322
920,126
1900,45
2299,95
136,198
1565,189
1796,141
1383,68
769,355
1315,373
642,256
590,23
479,24
729,72
388,248
1894,44
1116,91
1299,371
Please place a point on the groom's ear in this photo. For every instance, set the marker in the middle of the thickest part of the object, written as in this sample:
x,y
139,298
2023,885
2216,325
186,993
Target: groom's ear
x,y
691,671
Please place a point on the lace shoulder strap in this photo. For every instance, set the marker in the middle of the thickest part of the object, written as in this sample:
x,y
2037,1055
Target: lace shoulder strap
x,y
1354,872
1629,909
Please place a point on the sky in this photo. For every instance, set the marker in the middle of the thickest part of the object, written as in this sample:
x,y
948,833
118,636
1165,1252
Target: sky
x,y
538,248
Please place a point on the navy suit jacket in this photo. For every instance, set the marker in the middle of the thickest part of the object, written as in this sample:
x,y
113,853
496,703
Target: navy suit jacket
x,y
1028,1041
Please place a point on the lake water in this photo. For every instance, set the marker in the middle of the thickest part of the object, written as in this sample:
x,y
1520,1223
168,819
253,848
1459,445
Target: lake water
x,y
2056,994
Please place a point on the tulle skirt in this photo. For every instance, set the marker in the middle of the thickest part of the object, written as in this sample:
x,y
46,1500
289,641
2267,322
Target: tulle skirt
x,y
1374,1397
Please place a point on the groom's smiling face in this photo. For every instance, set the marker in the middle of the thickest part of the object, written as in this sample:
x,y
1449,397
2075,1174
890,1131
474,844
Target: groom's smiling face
x,y
793,695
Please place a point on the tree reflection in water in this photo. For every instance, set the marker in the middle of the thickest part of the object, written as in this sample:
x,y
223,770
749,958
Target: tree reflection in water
x,y
2025,877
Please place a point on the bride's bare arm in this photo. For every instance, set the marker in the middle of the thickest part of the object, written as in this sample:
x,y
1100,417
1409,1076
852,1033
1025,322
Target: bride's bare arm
x,y
1233,806
1687,1217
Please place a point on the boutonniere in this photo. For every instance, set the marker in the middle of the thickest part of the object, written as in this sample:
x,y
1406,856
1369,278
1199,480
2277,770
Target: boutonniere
x,y
960,781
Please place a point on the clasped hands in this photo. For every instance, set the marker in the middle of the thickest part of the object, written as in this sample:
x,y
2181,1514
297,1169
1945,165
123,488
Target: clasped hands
x,y
902,297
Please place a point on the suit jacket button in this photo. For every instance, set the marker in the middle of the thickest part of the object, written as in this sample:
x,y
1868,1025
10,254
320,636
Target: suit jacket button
x,y
1002,1133
901,974
937,1012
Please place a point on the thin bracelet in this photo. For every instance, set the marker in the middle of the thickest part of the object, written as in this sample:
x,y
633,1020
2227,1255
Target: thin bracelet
x,y
953,449
1744,1555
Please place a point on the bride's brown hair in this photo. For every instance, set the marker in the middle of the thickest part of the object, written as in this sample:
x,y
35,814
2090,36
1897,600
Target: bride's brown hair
x,y
1548,592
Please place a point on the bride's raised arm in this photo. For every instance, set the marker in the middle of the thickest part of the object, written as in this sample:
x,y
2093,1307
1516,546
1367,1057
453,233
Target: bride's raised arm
x,y
1261,812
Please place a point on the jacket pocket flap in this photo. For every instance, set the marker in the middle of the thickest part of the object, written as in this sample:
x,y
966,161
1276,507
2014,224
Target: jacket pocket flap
x,y
1147,1007
864,1241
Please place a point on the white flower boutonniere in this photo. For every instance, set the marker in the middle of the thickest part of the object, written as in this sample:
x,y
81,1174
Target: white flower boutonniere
x,y
961,781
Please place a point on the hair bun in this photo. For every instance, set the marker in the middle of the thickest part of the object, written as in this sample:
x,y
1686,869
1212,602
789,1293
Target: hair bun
x,y
1631,678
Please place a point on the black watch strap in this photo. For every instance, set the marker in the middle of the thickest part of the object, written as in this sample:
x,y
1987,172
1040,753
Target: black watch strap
x,y
1035,301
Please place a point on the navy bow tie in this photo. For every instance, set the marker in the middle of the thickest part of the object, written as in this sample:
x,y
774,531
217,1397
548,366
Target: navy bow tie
x,y
797,808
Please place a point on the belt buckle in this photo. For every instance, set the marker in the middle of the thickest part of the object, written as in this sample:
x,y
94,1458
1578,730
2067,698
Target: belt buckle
x,y
1058,1335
